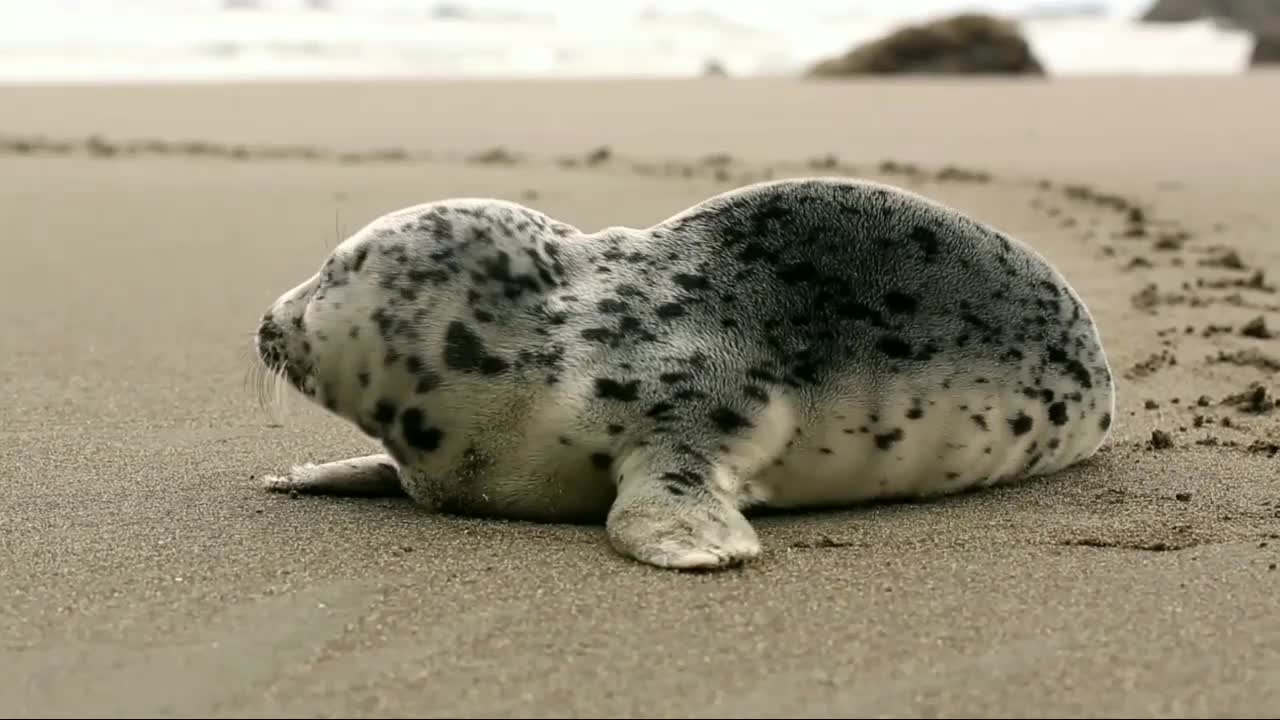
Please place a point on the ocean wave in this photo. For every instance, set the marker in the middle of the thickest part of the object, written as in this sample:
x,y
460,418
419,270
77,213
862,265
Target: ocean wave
x,y
203,39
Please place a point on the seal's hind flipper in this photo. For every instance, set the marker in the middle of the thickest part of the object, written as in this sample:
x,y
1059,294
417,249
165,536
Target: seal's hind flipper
x,y
368,476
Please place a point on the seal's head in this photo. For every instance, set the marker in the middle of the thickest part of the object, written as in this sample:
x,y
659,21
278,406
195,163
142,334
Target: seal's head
x,y
338,337
416,302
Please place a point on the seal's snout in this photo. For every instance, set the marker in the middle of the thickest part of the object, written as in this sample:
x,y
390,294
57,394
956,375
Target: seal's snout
x,y
270,342
285,351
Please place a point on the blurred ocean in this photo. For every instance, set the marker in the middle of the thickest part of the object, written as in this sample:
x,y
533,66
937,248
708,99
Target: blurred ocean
x,y
94,40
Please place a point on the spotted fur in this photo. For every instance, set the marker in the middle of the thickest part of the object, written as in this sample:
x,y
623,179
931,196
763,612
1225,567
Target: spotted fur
x,y
794,343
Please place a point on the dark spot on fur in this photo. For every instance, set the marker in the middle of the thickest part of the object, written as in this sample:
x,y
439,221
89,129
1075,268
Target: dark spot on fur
x,y
416,433
1021,424
977,322
926,238
660,410
1058,413
615,390
384,412
615,428
598,334
691,282
895,347
1105,422
427,382
755,392
363,379
728,420
980,421
680,483
667,311
361,255
671,378
1073,367
887,440
464,351
857,311
798,272
900,303
754,252
631,326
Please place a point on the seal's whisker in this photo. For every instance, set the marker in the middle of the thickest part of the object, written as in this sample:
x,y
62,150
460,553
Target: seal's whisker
x,y
277,384
279,393
247,358
337,226
250,372
259,383
262,385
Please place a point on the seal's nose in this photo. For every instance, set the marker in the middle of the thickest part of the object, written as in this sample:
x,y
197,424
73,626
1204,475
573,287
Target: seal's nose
x,y
268,341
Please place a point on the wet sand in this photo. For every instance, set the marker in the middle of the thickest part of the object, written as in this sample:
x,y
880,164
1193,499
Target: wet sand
x,y
146,229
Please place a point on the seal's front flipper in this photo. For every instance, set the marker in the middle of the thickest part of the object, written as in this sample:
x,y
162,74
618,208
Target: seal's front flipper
x,y
368,476
670,513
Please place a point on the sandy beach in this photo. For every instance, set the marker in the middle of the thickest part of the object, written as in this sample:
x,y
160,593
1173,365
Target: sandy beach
x,y
146,573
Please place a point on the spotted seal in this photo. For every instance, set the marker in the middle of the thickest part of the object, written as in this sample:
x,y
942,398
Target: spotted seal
x,y
794,343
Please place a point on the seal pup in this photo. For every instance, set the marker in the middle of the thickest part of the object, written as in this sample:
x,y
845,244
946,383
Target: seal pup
x,y
795,343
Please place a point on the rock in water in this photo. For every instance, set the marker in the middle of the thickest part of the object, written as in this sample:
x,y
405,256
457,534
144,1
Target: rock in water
x,y
968,43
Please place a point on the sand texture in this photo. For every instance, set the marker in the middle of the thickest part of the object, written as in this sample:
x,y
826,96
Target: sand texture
x,y
145,573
